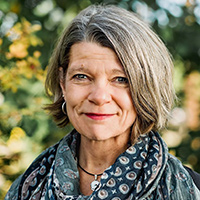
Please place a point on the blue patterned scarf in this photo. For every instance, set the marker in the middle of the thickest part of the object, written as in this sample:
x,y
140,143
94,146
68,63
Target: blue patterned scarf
x,y
145,171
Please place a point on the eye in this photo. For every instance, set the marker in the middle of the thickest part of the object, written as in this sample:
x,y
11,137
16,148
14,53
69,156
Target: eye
x,y
121,80
80,77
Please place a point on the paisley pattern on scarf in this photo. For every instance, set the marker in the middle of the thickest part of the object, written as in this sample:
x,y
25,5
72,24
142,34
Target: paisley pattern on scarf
x,y
144,171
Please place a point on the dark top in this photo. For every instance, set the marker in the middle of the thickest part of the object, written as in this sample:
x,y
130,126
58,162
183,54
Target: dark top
x,y
195,176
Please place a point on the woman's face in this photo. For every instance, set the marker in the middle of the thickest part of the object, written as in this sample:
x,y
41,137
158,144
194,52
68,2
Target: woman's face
x,y
96,92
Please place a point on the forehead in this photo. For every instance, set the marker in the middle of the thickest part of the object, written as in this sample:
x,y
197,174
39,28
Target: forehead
x,y
86,51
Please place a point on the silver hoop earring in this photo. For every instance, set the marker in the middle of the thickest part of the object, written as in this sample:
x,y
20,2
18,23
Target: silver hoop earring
x,y
63,108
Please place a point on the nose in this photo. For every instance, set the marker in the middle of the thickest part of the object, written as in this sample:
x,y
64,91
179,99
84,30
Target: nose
x,y
100,94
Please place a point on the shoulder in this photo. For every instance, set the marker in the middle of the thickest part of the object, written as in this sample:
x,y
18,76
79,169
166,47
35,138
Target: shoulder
x,y
14,189
45,158
179,181
195,176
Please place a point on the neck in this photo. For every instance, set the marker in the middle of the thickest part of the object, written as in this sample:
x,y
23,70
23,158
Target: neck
x,y
96,156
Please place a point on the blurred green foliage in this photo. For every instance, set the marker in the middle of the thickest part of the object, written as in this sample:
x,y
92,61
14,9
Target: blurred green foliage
x,y
28,31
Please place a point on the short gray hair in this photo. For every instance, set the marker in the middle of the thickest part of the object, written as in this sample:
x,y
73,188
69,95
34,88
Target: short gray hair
x,y
144,57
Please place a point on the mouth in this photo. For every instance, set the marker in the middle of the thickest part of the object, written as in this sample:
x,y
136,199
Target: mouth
x,y
98,116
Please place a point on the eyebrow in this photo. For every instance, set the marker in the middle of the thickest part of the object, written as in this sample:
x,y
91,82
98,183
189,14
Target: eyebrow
x,y
77,69
118,71
82,69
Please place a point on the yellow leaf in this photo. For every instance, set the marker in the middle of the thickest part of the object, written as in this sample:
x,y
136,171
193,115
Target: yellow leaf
x,y
35,27
15,142
15,31
37,54
17,133
34,41
26,26
21,63
18,50
14,89
8,55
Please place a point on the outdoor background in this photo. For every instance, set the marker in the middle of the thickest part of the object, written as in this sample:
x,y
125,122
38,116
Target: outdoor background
x,y
28,31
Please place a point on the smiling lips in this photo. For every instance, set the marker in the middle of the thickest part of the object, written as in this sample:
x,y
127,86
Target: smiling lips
x,y
98,116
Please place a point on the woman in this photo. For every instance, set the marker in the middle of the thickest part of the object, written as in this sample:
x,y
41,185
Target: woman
x,y
110,76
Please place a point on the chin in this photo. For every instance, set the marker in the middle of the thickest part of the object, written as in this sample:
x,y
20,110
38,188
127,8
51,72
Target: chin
x,y
99,136
99,139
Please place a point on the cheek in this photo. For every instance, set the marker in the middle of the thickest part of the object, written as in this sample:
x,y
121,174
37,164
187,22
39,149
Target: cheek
x,y
125,101
71,105
127,107
74,96
70,95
